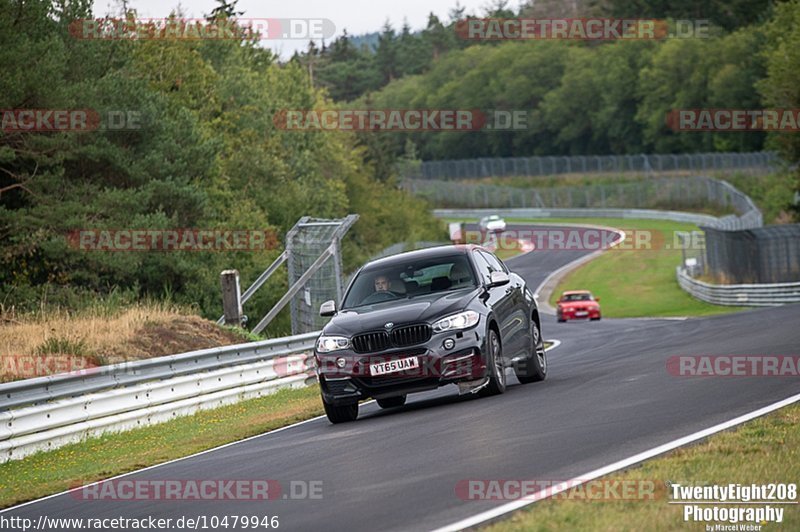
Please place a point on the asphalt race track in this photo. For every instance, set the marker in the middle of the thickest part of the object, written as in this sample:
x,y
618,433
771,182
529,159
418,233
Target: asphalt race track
x,y
608,396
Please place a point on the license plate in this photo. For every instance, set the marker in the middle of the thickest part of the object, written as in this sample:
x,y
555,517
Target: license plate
x,y
394,366
581,313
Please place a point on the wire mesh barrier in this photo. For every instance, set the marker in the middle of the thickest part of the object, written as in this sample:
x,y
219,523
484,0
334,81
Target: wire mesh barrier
x,y
762,255
582,164
693,252
693,193
313,254
307,241
747,295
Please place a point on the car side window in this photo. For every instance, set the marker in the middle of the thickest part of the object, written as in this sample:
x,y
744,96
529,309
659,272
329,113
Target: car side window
x,y
494,262
484,268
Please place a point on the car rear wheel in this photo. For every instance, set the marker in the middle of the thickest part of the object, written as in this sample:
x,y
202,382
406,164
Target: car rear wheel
x,y
533,368
341,414
392,402
497,375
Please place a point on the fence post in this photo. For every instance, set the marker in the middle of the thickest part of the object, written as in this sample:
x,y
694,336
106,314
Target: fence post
x,y
231,297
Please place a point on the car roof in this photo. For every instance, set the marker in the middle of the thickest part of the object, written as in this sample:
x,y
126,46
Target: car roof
x,y
569,292
422,254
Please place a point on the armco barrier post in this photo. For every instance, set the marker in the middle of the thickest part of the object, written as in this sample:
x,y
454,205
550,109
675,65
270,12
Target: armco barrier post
x,y
231,298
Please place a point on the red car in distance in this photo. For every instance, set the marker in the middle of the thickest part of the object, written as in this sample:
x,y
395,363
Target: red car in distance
x,y
578,305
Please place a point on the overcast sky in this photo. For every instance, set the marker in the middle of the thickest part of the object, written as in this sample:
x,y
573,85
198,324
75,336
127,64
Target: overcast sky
x,y
357,16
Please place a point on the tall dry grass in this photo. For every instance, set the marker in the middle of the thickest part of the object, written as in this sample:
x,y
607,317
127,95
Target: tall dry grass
x,y
56,340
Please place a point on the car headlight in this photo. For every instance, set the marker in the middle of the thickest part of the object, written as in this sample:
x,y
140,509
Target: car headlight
x,y
326,344
462,320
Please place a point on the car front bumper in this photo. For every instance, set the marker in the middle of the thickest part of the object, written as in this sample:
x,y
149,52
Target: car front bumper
x,y
437,366
578,315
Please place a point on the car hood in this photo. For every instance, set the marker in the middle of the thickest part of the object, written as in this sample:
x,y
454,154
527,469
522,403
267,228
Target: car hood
x,y
425,308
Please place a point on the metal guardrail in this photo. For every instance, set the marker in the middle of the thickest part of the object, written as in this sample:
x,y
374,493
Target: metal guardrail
x,y
743,295
47,412
545,213
736,295
40,389
677,193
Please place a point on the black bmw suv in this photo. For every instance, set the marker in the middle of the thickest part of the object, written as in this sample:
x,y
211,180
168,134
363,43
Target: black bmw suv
x,y
419,320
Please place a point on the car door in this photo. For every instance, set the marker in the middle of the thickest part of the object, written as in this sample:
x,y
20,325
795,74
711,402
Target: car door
x,y
519,327
500,300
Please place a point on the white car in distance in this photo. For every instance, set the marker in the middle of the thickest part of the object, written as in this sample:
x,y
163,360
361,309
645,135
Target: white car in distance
x,y
492,224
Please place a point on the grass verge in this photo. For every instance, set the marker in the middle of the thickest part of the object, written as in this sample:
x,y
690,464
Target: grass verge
x,y
635,282
763,451
98,458
639,281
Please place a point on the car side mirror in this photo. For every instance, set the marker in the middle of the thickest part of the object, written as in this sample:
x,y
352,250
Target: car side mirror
x,y
597,299
498,279
328,308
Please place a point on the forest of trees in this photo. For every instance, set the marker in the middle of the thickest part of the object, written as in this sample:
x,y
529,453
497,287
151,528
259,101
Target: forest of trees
x,y
584,97
207,155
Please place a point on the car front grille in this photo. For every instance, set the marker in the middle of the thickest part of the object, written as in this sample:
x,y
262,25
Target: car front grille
x,y
405,336
411,335
371,342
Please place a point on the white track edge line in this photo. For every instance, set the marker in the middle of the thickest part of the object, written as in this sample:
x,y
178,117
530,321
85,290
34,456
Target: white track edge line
x,y
616,466
199,453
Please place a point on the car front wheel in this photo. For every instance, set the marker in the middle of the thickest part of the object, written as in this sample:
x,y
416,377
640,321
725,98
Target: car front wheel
x,y
341,414
533,368
494,365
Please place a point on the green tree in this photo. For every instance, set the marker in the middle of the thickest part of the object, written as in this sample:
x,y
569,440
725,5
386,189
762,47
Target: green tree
x,y
781,85
386,53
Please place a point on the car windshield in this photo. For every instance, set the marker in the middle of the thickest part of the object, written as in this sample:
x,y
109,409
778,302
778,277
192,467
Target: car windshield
x,y
407,279
577,297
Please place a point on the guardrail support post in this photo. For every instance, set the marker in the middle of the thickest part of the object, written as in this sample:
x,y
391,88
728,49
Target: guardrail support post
x,y
231,298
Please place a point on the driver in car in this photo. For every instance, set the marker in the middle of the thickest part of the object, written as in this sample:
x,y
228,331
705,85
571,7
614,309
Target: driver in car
x,y
382,291
382,283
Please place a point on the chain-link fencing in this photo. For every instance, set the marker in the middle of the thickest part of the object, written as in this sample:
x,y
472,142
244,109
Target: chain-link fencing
x,y
592,164
306,242
674,193
762,255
